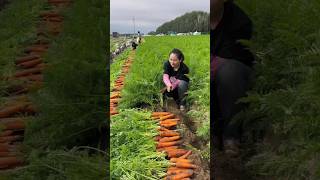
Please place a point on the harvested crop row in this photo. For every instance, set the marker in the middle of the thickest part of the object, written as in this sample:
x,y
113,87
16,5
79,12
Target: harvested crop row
x,y
115,95
169,141
18,108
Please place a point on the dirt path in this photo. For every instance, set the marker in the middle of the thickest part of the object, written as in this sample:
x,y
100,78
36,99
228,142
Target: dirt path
x,y
192,142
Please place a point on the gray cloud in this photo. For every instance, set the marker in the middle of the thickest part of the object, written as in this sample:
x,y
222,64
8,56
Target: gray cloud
x,y
149,14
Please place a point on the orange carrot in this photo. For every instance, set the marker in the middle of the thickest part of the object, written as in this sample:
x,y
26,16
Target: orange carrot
x,y
14,124
184,165
186,155
177,171
8,111
10,161
160,113
10,138
163,129
167,144
180,176
174,153
35,49
114,113
26,58
167,148
168,133
168,139
168,122
6,133
49,14
29,71
30,63
174,160
167,117
168,125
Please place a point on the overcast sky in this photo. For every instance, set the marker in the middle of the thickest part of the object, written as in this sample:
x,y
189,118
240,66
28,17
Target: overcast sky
x,y
149,14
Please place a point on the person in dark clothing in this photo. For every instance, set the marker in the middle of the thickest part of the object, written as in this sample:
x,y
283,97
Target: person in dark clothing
x,y
175,78
134,45
231,71
139,37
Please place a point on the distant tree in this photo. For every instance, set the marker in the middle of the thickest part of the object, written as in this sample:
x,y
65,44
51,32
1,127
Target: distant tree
x,y
189,22
152,33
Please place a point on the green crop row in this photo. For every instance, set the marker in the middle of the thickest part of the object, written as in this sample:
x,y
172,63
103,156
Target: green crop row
x,y
18,29
145,80
63,140
133,149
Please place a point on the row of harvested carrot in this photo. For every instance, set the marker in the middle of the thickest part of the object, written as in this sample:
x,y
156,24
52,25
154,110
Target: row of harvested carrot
x,y
18,108
118,85
168,141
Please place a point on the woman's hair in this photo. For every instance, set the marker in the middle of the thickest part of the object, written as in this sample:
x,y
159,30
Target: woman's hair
x,y
178,53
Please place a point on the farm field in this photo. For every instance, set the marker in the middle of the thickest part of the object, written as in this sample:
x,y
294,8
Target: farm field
x,y
117,42
136,134
52,102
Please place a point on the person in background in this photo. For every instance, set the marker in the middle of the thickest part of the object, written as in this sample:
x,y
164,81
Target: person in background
x,y
175,78
139,37
134,45
231,71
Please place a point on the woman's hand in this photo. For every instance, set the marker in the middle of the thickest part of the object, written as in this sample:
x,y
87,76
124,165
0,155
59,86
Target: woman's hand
x,y
169,88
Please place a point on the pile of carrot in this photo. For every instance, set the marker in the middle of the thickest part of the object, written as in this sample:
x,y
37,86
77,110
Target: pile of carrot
x,y
18,108
169,141
115,95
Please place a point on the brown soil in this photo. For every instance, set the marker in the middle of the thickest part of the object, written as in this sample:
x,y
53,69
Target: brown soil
x,y
191,142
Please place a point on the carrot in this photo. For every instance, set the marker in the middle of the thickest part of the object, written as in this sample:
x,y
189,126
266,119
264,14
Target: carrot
x,y
54,19
114,113
163,129
167,117
167,148
169,125
168,133
174,160
26,58
10,161
168,139
168,122
167,144
186,155
10,138
180,176
177,171
115,96
32,77
160,113
35,49
15,124
30,63
29,71
184,165
8,111
5,147
49,14
6,133
174,153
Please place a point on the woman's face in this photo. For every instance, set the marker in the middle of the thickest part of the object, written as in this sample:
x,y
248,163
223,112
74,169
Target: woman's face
x,y
174,61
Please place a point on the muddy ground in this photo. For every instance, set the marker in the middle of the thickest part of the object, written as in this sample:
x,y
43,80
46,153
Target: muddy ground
x,y
191,142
